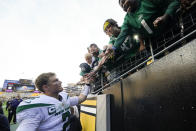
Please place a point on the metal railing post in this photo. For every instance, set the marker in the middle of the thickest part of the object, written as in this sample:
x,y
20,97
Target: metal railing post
x,y
181,24
151,50
101,79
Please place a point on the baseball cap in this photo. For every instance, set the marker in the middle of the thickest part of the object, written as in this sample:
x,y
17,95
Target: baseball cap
x,y
85,68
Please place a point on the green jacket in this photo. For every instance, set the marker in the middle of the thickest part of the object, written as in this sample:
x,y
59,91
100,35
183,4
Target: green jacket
x,y
112,40
147,12
128,48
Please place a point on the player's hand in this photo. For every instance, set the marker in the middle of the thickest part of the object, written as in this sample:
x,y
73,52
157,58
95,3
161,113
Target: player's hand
x,y
160,20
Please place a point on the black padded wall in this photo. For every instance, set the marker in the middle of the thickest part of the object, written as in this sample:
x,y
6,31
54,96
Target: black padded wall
x,y
160,97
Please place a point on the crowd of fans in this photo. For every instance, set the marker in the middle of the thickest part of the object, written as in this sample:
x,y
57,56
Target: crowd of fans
x,y
145,19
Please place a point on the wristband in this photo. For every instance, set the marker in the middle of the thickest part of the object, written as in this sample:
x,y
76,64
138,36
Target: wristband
x,y
86,90
88,84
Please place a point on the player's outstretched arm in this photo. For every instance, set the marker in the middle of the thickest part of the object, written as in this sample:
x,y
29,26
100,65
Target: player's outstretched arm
x,y
82,97
84,94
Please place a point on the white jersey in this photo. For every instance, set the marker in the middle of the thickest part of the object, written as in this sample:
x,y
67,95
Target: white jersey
x,y
44,113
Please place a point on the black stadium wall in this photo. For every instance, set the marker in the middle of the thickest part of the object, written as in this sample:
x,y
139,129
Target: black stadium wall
x,y
159,97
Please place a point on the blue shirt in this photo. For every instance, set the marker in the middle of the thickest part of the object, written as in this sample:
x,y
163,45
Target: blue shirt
x,y
15,103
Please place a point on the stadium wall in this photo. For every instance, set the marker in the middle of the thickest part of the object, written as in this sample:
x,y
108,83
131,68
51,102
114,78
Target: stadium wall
x,y
159,97
95,113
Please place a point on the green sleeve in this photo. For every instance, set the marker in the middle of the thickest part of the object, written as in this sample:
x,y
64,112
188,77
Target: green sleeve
x,y
172,7
120,39
123,34
112,40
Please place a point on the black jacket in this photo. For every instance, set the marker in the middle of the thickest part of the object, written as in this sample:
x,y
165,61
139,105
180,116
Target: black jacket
x,y
4,124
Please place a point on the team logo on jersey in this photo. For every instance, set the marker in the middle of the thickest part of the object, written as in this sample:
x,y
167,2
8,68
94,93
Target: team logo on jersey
x,y
51,110
27,101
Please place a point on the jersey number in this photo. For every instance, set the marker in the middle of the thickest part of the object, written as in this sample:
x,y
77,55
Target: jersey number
x,y
64,117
